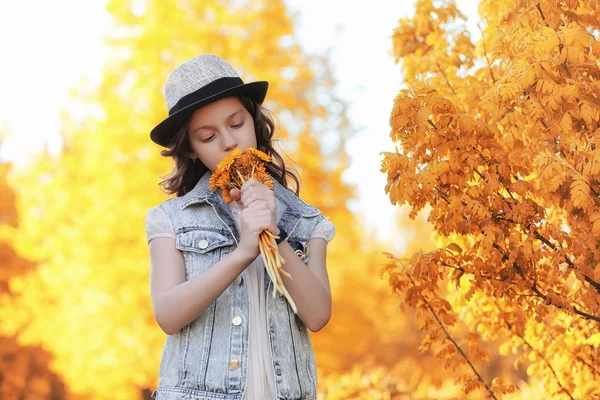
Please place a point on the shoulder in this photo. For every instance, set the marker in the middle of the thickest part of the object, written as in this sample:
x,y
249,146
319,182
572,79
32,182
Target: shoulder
x,y
154,213
168,207
306,209
158,224
292,200
163,212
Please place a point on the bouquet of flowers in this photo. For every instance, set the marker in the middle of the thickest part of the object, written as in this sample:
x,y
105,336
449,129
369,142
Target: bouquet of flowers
x,y
231,173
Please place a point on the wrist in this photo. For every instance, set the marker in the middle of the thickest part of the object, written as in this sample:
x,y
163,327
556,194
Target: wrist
x,y
243,256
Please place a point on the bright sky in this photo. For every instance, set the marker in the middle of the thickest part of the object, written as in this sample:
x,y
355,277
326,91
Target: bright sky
x,y
48,46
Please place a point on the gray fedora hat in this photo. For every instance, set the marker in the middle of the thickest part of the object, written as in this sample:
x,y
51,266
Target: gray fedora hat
x,y
197,82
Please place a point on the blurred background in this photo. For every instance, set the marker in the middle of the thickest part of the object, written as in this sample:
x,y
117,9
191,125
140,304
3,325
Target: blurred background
x,y
81,87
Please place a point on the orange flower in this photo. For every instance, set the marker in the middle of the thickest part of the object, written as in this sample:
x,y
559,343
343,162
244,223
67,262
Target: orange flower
x,y
239,166
227,162
259,154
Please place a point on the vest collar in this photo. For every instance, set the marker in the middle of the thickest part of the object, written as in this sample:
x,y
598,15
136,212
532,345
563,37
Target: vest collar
x,y
289,207
201,193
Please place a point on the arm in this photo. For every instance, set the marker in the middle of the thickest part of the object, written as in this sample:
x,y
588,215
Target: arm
x,y
310,286
175,301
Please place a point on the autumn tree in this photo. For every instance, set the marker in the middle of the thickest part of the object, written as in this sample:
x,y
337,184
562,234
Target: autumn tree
x,y
499,138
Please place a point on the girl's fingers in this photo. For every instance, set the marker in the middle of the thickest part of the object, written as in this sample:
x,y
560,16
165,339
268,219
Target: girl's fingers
x,y
258,217
258,208
250,182
259,191
257,205
253,194
253,185
235,194
249,197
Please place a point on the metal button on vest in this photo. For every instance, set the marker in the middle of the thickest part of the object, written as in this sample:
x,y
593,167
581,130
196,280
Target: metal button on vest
x,y
277,370
203,244
238,280
234,363
237,321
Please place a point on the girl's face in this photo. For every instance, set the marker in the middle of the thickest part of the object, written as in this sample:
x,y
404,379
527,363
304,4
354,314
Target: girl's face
x,y
219,127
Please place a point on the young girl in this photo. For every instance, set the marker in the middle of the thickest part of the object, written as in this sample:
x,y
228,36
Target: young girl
x,y
227,337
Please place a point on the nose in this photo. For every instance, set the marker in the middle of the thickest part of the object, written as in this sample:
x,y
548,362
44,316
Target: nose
x,y
229,141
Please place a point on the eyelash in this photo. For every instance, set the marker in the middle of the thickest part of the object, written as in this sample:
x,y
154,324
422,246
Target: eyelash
x,y
233,126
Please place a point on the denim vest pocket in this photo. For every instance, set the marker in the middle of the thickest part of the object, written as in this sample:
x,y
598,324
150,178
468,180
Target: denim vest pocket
x,y
202,247
201,240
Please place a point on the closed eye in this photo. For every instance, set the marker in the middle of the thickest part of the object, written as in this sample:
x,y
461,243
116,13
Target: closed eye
x,y
238,125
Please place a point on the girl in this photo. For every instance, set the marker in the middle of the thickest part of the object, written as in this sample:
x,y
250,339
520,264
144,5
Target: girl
x,y
227,337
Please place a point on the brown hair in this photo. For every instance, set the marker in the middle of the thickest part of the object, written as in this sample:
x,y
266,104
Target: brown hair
x,y
187,173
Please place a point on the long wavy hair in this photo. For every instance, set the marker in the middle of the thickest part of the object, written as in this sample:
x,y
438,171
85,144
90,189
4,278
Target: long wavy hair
x,y
187,172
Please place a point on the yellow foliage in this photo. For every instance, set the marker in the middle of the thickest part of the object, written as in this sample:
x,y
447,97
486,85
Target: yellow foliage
x,y
515,201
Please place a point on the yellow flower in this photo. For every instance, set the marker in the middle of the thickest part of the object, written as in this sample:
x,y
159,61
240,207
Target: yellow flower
x,y
214,180
227,162
226,197
239,166
255,152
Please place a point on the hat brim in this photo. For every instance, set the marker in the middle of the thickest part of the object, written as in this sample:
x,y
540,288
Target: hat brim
x,y
163,133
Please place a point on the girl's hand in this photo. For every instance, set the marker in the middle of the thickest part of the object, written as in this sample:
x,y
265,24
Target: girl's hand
x,y
255,218
253,190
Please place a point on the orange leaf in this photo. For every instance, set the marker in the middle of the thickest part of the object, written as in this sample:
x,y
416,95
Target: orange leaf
x,y
454,247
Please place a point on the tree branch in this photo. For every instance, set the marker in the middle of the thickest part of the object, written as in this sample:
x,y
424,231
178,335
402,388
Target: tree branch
x,y
534,288
465,272
589,280
564,65
541,13
445,77
593,283
509,325
486,56
479,378
563,389
575,310
577,356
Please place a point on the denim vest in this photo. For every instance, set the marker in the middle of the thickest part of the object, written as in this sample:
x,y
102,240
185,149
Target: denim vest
x,y
207,359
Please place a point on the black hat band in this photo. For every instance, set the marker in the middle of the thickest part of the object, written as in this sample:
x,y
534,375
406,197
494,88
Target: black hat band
x,y
205,92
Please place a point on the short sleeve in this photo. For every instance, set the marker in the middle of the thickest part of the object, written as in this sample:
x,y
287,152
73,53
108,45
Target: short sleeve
x,y
324,230
158,225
